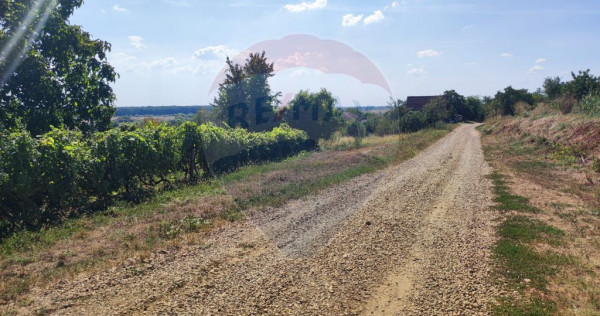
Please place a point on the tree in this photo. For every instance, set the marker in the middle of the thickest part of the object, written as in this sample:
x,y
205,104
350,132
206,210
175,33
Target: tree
x,y
52,73
583,84
475,106
398,109
505,101
456,104
356,129
204,116
245,98
314,113
436,110
553,87
411,122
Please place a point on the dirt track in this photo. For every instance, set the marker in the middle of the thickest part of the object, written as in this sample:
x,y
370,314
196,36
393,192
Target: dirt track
x,y
410,240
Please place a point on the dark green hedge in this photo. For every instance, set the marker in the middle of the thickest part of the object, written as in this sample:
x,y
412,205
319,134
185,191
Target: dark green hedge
x,y
63,173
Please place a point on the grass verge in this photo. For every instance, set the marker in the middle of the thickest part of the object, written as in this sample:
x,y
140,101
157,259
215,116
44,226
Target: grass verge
x,y
549,244
519,264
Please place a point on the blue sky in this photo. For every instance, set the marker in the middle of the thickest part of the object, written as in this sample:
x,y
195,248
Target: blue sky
x,y
170,51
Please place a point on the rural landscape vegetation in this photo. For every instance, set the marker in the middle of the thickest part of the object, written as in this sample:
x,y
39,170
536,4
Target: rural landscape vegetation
x,y
469,205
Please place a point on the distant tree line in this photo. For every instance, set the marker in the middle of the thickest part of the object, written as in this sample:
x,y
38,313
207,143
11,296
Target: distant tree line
x,y
158,110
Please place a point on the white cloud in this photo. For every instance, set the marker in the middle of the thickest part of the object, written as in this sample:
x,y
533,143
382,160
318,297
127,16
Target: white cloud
x,y
137,42
119,8
538,65
377,16
393,5
304,6
468,27
535,68
417,71
428,53
351,20
506,55
166,65
471,63
220,51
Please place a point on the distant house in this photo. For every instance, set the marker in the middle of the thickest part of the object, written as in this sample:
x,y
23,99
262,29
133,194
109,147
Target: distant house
x,y
349,116
418,103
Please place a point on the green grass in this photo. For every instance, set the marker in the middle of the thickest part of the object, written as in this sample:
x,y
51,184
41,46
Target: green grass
x,y
526,230
534,307
517,260
506,201
533,166
246,172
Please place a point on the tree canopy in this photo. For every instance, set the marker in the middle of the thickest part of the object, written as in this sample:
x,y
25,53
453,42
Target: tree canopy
x,y
505,100
53,73
245,98
314,113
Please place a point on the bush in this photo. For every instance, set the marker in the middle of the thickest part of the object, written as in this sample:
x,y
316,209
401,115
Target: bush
x,y
411,122
565,104
62,173
356,129
589,105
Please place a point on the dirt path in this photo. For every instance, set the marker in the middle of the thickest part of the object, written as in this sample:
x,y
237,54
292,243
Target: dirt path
x,y
411,240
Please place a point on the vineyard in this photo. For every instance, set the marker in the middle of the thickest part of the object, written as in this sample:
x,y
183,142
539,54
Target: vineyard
x,y
64,173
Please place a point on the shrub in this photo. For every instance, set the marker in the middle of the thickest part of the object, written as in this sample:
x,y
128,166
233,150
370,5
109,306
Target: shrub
x,y
521,108
356,129
62,173
411,122
565,104
589,105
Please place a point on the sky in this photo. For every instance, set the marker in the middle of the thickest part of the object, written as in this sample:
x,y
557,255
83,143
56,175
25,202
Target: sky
x,y
169,52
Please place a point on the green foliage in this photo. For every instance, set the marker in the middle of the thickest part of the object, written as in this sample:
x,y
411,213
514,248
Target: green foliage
x,y
475,109
411,122
567,155
52,73
589,105
314,113
524,229
505,101
522,262
356,129
518,263
62,173
436,110
386,126
245,98
508,201
583,84
533,307
553,87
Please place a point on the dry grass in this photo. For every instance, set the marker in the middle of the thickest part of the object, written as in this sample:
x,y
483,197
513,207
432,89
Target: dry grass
x,y
558,185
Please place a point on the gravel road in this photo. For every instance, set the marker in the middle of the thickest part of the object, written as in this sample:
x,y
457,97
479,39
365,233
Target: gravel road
x,y
413,239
